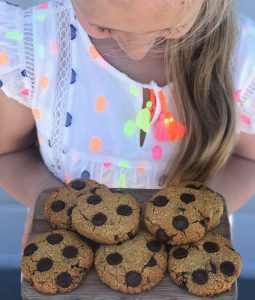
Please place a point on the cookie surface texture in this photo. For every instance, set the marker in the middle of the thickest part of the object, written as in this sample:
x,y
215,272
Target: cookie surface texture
x,y
106,217
60,203
134,266
56,261
207,267
179,215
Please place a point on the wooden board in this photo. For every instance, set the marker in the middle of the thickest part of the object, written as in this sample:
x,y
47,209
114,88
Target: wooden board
x,y
93,288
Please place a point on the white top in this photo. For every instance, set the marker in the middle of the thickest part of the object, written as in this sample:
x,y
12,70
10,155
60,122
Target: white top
x,y
88,113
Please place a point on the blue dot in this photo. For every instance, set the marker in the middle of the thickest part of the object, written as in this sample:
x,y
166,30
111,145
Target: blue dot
x,y
68,120
85,174
73,32
11,3
49,143
1,84
24,73
73,77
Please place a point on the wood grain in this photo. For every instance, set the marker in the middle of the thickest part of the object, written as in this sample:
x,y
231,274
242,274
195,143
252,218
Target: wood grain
x,y
93,288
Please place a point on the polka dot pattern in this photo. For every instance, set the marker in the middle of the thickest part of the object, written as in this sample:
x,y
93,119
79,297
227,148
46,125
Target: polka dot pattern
x,y
101,104
93,52
73,32
85,174
44,82
4,58
95,145
69,119
36,113
157,152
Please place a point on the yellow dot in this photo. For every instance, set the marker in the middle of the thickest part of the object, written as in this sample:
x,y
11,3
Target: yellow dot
x,y
95,145
93,52
101,104
36,113
4,58
44,82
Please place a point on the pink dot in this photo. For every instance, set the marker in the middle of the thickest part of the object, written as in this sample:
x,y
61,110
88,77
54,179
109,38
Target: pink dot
x,y
25,92
157,152
107,164
75,156
53,47
43,5
238,95
245,119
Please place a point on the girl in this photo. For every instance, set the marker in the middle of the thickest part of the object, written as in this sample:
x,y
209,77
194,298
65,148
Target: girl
x,y
134,94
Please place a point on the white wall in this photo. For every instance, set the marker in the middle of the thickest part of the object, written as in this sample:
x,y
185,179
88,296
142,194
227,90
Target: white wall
x,y
12,214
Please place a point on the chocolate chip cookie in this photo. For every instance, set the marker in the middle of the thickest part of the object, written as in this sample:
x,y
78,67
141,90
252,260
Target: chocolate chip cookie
x,y
60,203
134,266
106,216
179,215
207,267
56,261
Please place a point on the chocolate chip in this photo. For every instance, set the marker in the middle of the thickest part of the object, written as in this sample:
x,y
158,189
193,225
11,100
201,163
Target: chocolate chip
x,y
154,246
160,201
187,198
211,247
119,243
93,191
124,210
133,278
193,186
200,276
180,253
58,205
168,247
227,268
204,224
162,236
114,259
152,262
78,185
213,270
180,223
30,249
55,238
99,219
64,280
130,235
70,252
94,199
70,210
44,264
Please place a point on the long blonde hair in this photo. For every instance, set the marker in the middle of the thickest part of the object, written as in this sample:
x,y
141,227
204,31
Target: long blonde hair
x,y
199,65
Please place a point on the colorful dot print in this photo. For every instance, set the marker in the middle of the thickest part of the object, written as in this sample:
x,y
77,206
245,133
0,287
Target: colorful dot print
x,y
24,92
43,5
85,174
41,51
44,82
107,164
129,128
69,119
1,83
140,170
101,104
73,32
4,58
67,178
13,35
36,113
93,52
157,152
53,47
124,164
73,76
134,90
41,17
24,73
95,145
246,120
122,181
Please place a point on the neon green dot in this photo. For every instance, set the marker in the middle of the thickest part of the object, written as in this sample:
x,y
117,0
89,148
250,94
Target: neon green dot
x,y
122,181
166,121
41,51
14,35
134,90
149,104
129,128
124,164
41,17
143,120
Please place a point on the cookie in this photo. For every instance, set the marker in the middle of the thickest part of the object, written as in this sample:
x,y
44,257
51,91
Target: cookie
x,y
207,267
60,203
106,217
56,261
134,266
179,215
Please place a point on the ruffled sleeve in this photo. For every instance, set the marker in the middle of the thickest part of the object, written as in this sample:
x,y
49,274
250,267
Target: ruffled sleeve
x,y
13,77
244,76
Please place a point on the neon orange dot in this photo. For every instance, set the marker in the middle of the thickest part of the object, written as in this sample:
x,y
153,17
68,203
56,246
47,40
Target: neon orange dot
x,y
36,113
140,170
93,52
101,104
44,82
95,145
4,58
67,178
